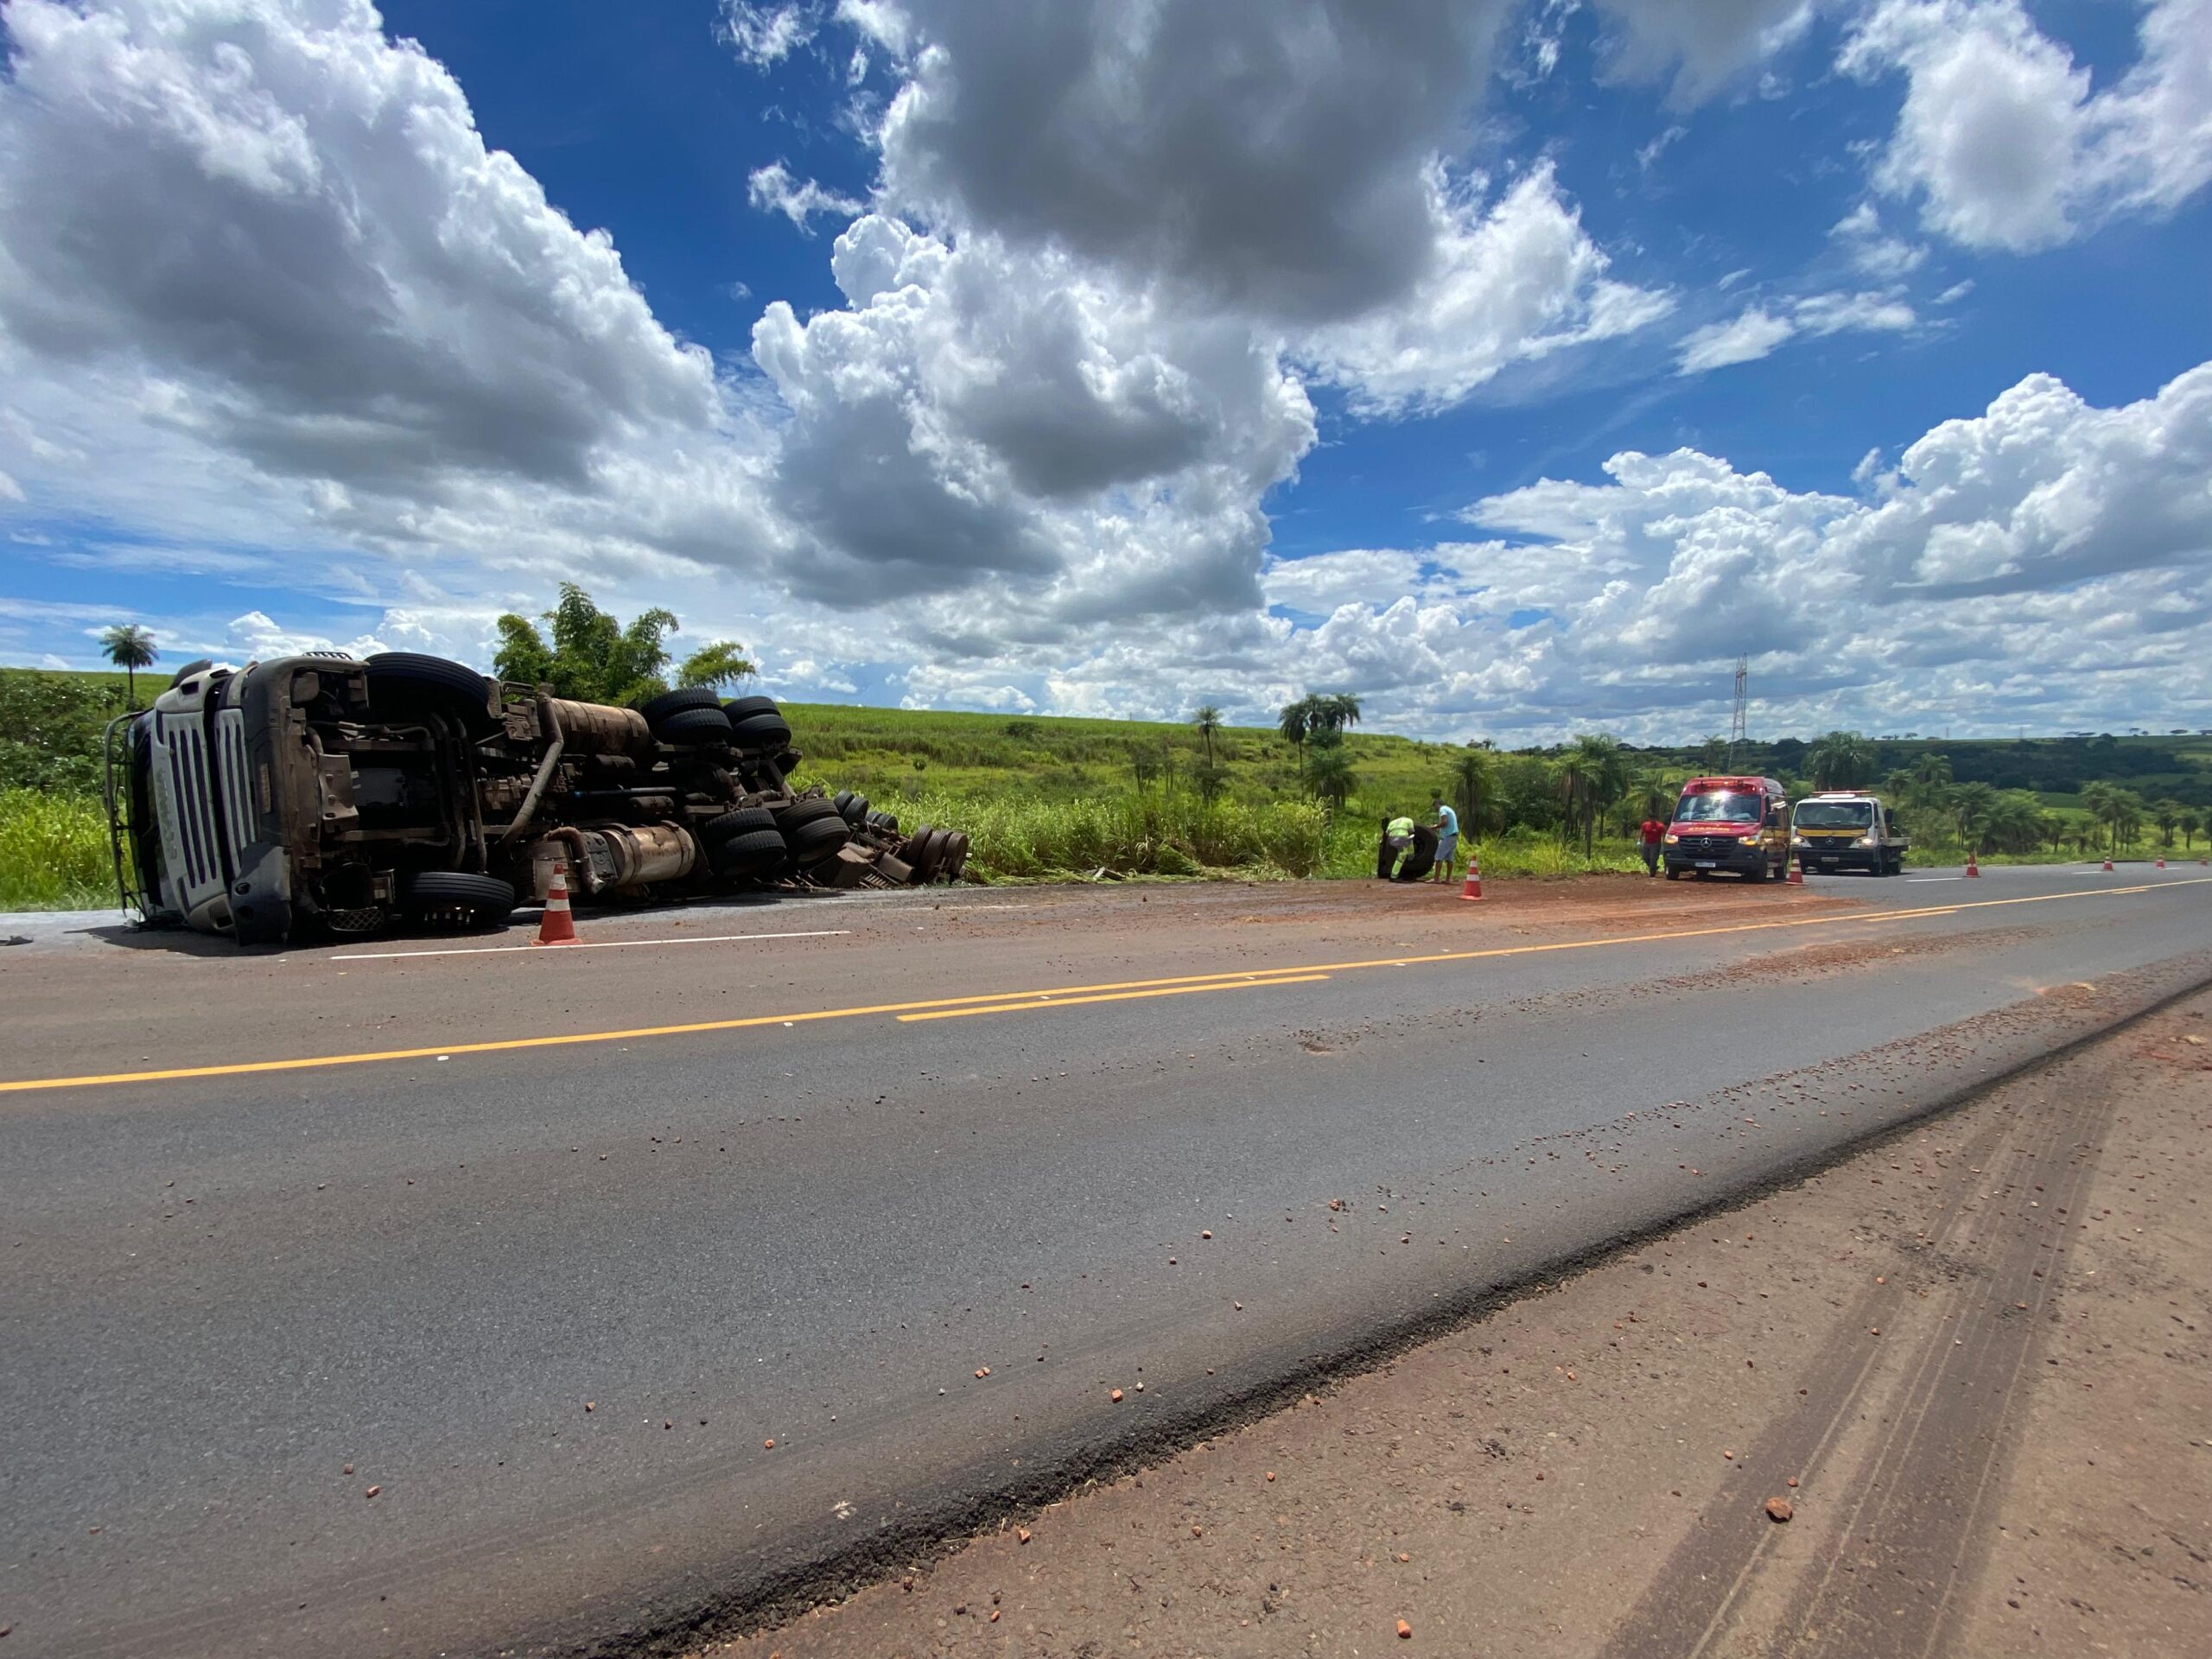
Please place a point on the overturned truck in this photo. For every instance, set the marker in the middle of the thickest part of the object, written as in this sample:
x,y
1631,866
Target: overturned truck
x,y
320,794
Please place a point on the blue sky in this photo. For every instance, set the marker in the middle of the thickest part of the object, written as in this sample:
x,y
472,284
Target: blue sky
x,y
1516,365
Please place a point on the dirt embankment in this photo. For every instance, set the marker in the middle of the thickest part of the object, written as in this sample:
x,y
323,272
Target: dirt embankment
x,y
1970,1365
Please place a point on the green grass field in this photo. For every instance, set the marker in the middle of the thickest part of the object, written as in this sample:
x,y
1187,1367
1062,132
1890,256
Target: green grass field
x,y
1046,797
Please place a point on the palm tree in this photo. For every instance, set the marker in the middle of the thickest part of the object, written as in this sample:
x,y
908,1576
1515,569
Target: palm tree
x,y
1207,719
131,648
1840,760
2166,815
1329,774
1296,723
1333,711
1470,784
1592,775
1974,807
2190,823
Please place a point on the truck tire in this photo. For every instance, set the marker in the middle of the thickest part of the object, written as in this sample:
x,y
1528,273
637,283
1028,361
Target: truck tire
x,y
753,853
915,851
813,841
813,809
855,810
473,900
745,821
938,847
843,799
657,710
693,726
887,821
762,733
409,681
745,708
956,856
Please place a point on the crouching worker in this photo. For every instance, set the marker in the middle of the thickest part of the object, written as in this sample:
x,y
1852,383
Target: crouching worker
x,y
1397,836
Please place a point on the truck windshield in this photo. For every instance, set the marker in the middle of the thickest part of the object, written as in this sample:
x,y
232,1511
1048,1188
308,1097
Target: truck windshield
x,y
1835,814
1717,809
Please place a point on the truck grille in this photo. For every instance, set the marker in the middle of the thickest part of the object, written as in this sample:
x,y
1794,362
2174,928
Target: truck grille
x,y
239,815
1710,846
196,828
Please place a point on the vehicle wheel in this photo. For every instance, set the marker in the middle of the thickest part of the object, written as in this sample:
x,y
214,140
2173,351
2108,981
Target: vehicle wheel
x,y
752,853
855,810
914,851
812,843
843,799
938,850
693,726
813,809
410,681
887,821
466,900
956,856
747,820
745,708
656,710
762,733
1673,875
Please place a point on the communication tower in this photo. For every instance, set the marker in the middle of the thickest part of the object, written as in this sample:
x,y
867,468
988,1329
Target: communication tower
x,y
1738,737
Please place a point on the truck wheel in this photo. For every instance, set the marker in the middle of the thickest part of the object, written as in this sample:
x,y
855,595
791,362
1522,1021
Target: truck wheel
x,y
745,708
693,726
754,853
469,899
855,810
812,843
813,809
747,820
956,856
1673,875
762,733
915,852
657,710
409,681
843,799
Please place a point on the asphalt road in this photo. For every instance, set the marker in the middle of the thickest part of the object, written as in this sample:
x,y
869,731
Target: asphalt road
x,y
394,1221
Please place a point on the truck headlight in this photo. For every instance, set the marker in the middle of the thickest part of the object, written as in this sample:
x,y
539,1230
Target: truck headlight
x,y
1671,838
1799,841
1864,840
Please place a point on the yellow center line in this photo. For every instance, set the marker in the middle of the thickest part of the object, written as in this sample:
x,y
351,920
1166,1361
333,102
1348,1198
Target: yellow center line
x,y
1057,994
1243,983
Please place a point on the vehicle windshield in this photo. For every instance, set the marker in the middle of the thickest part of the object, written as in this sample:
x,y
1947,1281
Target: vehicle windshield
x,y
1835,814
1717,809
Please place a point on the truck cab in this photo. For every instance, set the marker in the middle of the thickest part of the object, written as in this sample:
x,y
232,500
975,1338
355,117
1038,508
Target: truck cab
x,y
1847,829
1738,824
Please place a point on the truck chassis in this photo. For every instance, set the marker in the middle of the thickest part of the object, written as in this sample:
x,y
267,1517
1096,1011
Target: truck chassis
x,y
319,794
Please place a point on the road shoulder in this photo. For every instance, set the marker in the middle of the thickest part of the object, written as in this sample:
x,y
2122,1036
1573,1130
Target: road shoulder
x,y
1971,1361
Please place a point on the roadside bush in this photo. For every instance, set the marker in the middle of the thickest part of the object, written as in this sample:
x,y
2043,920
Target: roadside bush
x,y
54,852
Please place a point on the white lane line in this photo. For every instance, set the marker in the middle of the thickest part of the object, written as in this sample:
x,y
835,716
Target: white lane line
x,y
1922,881
587,944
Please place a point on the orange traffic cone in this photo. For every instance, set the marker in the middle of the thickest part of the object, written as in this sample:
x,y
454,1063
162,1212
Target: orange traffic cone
x,y
558,927
1473,887
1797,876
1972,869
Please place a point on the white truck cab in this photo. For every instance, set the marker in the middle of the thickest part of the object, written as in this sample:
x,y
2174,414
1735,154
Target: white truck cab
x,y
1847,829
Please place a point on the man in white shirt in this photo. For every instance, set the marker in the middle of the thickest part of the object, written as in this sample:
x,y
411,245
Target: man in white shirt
x,y
1447,839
